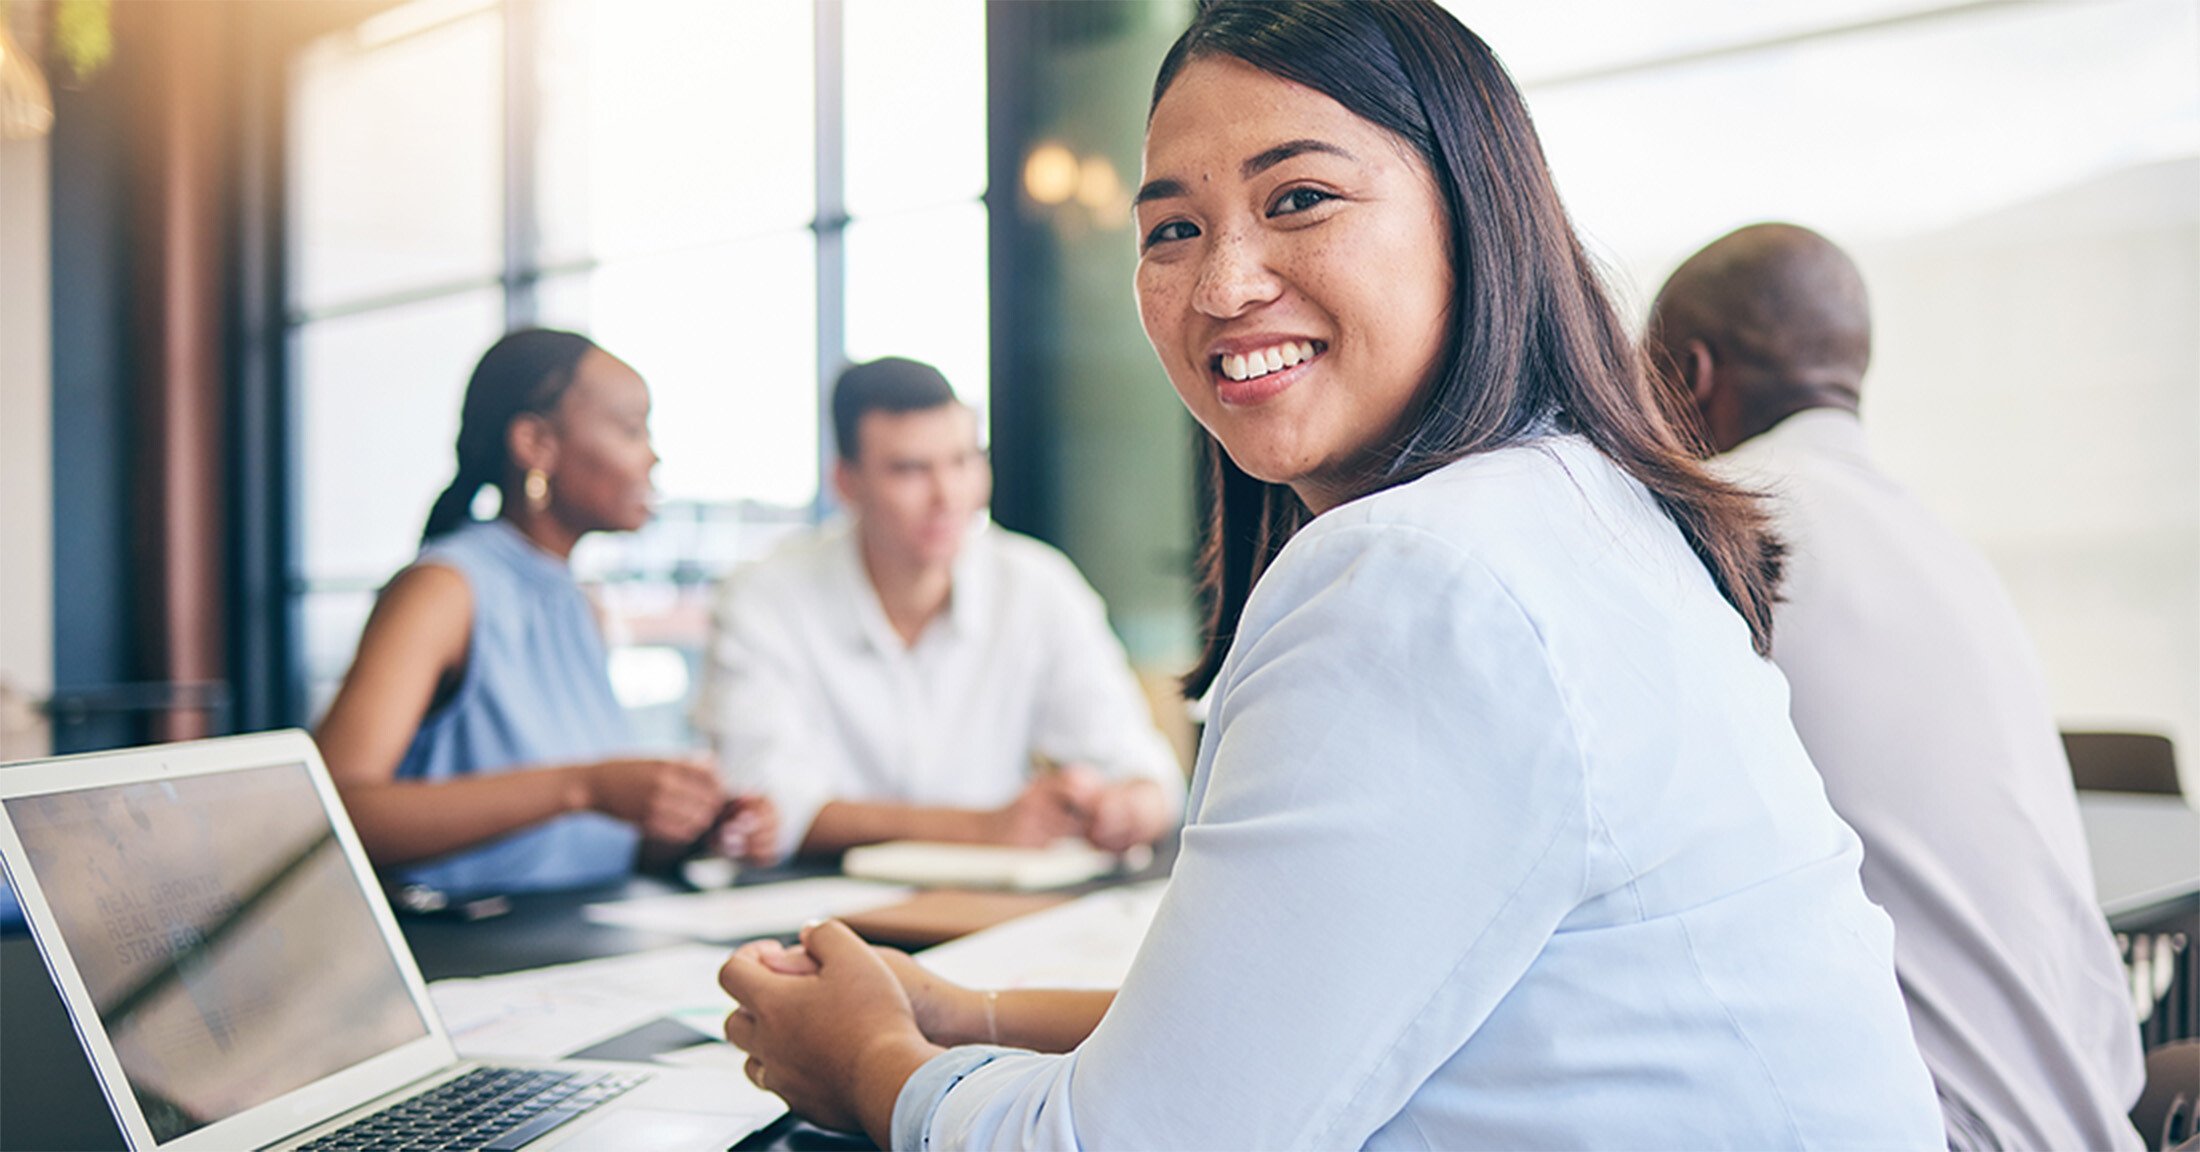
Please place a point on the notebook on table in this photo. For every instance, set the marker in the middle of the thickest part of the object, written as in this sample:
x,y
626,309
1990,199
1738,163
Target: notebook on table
x,y
237,980
930,864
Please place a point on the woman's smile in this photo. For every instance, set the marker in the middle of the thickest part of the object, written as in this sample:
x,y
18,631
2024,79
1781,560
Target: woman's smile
x,y
1252,371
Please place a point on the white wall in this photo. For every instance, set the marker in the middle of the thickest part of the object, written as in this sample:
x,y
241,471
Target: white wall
x,y
2020,184
2021,187
26,439
2038,383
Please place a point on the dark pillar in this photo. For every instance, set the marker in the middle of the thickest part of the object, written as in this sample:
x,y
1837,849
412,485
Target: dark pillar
x,y
183,142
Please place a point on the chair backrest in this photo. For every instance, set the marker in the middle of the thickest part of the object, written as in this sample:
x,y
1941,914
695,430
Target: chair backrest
x,y
2122,762
2168,1112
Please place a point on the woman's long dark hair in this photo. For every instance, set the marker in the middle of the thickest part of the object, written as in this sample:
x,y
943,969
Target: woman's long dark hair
x,y
1534,341
525,373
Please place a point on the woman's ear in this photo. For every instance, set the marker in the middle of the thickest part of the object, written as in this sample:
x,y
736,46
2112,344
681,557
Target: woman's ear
x,y
532,443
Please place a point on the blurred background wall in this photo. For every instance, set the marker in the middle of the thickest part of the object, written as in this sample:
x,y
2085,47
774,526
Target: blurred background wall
x,y
2021,184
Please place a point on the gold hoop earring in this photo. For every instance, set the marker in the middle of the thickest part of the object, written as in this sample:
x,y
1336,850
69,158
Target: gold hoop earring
x,y
538,490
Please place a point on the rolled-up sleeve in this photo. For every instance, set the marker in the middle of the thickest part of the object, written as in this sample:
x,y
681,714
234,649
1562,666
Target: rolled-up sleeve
x,y
1389,823
921,1094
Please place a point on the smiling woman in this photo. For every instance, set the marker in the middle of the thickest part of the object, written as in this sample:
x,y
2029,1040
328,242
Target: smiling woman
x,y
1499,834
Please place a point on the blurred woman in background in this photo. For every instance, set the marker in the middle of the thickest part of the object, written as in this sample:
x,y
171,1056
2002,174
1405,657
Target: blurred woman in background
x,y
476,740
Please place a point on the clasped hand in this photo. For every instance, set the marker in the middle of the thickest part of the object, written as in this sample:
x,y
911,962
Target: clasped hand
x,y
832,1027
1074,800
678,801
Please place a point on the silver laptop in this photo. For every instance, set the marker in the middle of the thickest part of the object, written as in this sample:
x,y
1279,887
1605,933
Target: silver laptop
x,y
238,981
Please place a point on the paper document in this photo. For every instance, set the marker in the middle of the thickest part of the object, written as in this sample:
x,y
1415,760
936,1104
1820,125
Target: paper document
x,y
935,865
742,913
548,1013
1086,943
718,1056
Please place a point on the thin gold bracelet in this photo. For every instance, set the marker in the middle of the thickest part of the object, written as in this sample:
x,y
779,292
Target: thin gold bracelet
x,y
992,1022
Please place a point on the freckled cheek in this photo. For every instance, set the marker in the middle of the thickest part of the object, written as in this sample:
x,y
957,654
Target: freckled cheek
x,y
1158,308
1162,315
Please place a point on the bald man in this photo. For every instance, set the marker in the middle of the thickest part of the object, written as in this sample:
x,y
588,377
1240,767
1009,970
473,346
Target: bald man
x,y
1919,698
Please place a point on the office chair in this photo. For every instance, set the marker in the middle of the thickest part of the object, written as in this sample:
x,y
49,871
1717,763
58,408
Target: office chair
x,y
2122,762
2168,1112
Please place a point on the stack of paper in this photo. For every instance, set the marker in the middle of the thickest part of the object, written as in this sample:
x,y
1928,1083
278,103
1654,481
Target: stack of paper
x,y
1086,943
547,1013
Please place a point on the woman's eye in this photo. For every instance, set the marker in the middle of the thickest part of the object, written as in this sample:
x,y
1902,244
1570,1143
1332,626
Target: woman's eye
x,y
1298,200
1173,230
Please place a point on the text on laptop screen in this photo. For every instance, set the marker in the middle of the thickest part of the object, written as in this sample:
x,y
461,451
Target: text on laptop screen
x,y
223,936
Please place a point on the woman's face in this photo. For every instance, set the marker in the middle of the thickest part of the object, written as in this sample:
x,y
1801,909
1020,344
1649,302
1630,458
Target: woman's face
x,y
1293,274
599,480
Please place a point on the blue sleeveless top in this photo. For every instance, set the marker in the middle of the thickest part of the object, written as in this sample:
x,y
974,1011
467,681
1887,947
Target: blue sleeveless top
x,y
535,691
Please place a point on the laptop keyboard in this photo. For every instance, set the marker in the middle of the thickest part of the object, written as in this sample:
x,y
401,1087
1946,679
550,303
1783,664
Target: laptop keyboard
x,y
485,1110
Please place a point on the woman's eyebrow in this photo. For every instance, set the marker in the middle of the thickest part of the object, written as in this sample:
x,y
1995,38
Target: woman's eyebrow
x,y
1255,165
1262,161
1158,190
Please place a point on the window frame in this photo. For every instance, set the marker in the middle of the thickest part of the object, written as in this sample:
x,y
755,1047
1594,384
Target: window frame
x,y
523,269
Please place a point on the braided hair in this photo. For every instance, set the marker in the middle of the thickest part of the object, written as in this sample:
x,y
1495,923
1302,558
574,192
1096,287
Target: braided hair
x,y
525,373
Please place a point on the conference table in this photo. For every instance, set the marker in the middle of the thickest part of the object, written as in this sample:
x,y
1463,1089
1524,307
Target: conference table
x,y
50,1101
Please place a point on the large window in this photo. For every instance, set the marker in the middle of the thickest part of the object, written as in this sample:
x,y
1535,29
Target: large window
x,y
734,198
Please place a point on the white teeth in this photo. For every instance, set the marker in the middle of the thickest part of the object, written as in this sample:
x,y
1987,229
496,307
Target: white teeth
x,y
1262,361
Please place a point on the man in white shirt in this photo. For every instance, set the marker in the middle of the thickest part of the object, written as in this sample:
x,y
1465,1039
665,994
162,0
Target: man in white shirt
x,y
1919,698
918,673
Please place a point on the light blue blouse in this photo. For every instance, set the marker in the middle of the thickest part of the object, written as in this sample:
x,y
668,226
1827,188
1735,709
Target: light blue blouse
x,y
535,691
1499,837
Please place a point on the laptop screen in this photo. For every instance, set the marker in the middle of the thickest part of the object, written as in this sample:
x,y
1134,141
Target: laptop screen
x,y
225,940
